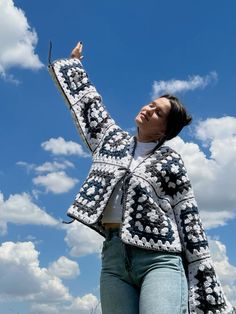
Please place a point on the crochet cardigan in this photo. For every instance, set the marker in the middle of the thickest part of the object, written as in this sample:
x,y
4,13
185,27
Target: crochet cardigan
x,y
159,209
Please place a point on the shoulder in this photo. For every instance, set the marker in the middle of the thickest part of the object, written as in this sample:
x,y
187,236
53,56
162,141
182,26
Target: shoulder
x,y
170,154
172,162
167,165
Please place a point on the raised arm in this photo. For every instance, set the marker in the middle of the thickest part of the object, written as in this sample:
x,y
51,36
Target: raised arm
x,y
90,115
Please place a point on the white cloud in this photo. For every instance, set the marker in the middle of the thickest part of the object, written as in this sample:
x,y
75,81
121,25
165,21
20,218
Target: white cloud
x,y
58,146
23,280
20,209
82,240
26,165
46,166
176,86
216,128
215,218
44,308
225,270
64,268
87,303
213,176
18,40
36,193
54,166
56,182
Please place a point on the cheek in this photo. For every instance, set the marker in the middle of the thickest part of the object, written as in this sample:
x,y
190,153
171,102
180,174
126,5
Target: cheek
x,y
159,124
164,124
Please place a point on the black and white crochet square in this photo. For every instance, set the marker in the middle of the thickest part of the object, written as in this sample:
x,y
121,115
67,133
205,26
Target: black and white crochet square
x,y
93,191
115,144
194,235
148,220
209,292
74,77
168,169
94,115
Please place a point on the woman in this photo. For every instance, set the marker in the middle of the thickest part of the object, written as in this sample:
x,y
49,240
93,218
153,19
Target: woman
x,y
155,256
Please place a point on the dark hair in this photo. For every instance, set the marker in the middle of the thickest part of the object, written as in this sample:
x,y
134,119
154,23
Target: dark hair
x,y
176,120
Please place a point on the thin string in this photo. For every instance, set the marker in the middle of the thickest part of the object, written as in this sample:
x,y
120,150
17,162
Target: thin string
x,y
68,222
50,52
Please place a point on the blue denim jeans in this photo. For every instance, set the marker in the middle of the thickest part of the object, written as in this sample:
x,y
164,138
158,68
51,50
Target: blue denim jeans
x,y
138,281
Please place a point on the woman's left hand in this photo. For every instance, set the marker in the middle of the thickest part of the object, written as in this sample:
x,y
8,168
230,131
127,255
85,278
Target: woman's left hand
x,y
77,51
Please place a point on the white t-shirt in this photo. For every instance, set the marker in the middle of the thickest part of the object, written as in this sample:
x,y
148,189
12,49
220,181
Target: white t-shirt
x,y
113,210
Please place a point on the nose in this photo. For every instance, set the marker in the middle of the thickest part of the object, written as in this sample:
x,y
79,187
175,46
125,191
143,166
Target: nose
x,y
149,110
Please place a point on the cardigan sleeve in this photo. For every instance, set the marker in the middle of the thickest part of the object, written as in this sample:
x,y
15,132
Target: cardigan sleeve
x,y
85,104
205,290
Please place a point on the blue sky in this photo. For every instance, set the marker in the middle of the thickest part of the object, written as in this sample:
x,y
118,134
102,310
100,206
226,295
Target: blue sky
x,y
133,52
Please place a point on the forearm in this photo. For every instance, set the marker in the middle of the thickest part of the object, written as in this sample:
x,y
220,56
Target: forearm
x,y
88,111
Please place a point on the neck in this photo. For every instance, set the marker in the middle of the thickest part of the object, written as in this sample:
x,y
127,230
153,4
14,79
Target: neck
x,y
145,139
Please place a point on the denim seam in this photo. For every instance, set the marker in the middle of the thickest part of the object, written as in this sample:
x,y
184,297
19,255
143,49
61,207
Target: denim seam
x,y
183,292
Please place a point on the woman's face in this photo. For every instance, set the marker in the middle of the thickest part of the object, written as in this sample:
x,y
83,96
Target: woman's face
x,y
152,120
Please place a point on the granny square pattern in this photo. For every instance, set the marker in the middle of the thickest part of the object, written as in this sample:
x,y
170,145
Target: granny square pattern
x,y
159,210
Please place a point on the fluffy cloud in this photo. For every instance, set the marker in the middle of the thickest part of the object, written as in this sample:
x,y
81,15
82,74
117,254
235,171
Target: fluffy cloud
x,y
176,86
56,182
54,166
18,40
64,268
22,279
82,240
20,209
87,303
47,166
216,128
58,146
225,271
81,305
213,176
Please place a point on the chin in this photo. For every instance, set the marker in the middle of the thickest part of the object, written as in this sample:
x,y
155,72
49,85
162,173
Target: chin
x,y
138,120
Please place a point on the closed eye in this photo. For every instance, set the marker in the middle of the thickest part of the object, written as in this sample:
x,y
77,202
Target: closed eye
x,y
158,112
